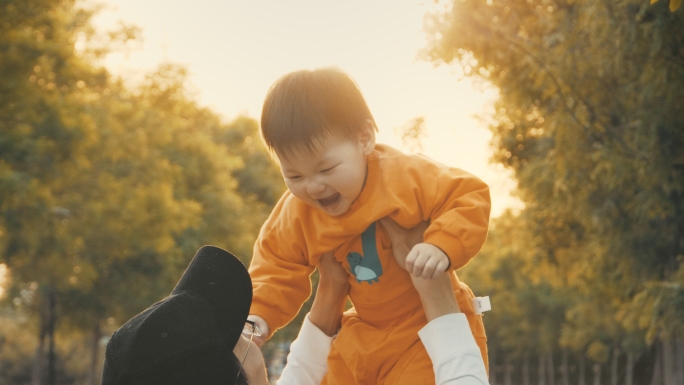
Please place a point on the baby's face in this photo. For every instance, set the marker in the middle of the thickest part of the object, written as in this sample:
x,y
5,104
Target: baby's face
x,y
332,175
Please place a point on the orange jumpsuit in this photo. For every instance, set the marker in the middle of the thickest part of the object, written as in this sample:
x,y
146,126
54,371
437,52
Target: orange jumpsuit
x,y
378,342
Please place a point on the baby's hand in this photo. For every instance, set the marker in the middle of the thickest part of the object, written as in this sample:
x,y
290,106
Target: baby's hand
x,y
263,326
403,240
426,260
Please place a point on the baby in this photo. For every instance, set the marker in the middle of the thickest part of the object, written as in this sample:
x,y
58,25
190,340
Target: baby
x,y
340,185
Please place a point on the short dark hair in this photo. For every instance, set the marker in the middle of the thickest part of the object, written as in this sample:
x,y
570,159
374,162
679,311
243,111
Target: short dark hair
x,y
303,106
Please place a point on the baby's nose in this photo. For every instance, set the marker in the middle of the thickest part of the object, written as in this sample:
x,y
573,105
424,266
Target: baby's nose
x,y
315,187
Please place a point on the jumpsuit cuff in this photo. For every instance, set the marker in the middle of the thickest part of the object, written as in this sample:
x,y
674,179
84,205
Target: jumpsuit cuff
x,y
452,247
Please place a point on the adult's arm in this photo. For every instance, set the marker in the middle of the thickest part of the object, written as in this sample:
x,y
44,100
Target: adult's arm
x,y
307,361
448,339
455,356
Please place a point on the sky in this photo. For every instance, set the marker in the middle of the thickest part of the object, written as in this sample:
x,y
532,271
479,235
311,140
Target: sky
x,y
234,50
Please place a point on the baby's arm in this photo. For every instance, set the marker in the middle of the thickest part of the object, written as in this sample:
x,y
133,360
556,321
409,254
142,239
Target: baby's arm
x,y
280,274
458,205
280,287
419,259
328,305
455,203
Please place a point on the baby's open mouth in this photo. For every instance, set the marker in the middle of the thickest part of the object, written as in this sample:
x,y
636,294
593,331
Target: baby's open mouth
x,y
329,201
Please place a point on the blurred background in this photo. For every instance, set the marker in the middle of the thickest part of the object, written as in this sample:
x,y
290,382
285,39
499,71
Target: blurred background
x,y
129,137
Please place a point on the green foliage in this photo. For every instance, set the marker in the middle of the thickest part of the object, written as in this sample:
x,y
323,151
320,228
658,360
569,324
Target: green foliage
x,y
17,346
674,4
589,119
527,305
106,191
17,351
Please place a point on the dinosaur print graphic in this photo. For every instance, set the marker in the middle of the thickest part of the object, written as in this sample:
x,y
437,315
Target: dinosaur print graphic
x,y
366,267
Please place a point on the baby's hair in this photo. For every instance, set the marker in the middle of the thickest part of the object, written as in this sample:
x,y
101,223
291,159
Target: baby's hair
x,y
303,106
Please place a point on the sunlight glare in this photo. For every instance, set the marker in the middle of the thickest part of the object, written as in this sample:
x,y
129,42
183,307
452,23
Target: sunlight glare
x,y
4,280
235,50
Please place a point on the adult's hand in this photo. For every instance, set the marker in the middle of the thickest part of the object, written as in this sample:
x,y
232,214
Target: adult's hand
x,y
402,239
436,293
331,295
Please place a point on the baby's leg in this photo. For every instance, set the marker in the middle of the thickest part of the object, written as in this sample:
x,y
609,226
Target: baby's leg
x,y
338,372
465,296
413,367
482,344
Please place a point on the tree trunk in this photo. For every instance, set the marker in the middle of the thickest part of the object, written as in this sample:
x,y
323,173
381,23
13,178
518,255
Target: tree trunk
x,y
582,375
551,370
597,374
614,367
508,374
526,370
541,372
565,371
51,320
679,360
668,361
492,366
37,372
94,355
657,378
629,369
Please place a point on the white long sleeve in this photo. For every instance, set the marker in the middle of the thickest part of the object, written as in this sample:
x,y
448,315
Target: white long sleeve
x,y
455,356
449,342
307,361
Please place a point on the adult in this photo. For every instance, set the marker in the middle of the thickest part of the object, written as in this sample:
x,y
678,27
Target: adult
x,y
199,334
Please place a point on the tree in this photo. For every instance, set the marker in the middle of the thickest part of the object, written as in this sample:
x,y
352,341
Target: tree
x,y
528,301
589,119
106,191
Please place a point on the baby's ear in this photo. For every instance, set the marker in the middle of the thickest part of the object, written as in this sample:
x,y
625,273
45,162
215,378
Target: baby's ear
x,y
367,137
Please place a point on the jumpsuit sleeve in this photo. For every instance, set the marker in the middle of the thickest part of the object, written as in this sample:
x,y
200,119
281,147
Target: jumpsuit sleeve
x,y
279,270
457,205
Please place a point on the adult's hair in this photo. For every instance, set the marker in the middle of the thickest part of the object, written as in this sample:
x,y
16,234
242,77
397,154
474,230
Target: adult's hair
x,y
304,106
211,366
188,337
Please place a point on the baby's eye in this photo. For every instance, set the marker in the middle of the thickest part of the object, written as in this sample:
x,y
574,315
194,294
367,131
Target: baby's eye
x,y
328,169
294,177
